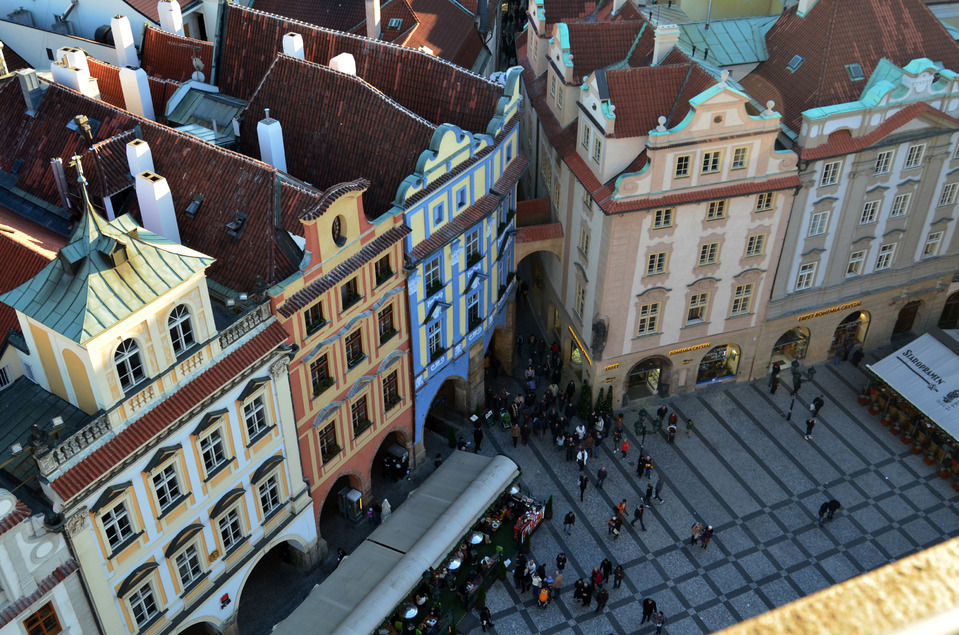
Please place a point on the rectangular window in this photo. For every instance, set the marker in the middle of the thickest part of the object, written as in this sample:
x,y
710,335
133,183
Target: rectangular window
x,y
818,222
663,218
697,308
461,198
648,318
43,622
584,240
711,162
755,245
587,200
856,261
391,389
682,166
586,132
188,566
870,211
382,269
5,376
212,451
254,414
439,213
708,253
431,276
948,196
473,318
883,162
580,306
349,293
166,486
716,210
807,273
914,155
269,494
830,173
884,261
359,415
931,247
387,326
231,532
552,85
900,205
559,97
739,158
314,318
328,445
472,248
742,299
434,337
117,526
143,605
320,374
354,348
764,202
656,263
597,150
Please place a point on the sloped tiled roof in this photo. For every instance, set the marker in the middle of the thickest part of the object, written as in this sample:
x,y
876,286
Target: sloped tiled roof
x,y
13,59
447,29
146,7
597,45
167,411
343,138
331,14
108,81
398,10
568,10
835,33
433,88
17,515
191,167
170,56
18,264
44,586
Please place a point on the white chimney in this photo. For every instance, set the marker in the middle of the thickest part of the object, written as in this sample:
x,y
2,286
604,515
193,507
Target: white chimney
x,y
617,5
31,88
270,134
665,38
70,76
804,7
156,205
123,41
139,157
75,57
136,92
373,19
293,45
3,62
345,63
171,20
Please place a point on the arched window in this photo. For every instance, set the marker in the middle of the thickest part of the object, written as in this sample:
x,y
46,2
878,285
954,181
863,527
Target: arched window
x,y
181,329
129,364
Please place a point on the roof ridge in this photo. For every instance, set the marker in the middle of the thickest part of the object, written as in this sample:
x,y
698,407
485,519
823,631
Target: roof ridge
x,y
177,36
825,54
636,40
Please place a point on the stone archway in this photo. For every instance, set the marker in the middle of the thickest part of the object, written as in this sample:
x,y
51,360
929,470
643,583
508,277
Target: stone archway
x,y
647,377
906,318
201,628
721,363
275,581
949,318
850,333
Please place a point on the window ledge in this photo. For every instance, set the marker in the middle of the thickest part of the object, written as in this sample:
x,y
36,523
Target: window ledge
x,y
236,547
312,330
351,364
352,301
196,583
645,335
262,433
123,545
150,622
172,507
386,337
273,513
219,468
392,403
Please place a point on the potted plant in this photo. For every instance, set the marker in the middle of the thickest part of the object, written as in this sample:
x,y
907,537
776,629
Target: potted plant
x,y
874,402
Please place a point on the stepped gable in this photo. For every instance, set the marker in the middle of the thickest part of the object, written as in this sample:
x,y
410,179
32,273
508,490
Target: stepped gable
x,y
190,165
428,86
170,56
835,33
350,130
596,45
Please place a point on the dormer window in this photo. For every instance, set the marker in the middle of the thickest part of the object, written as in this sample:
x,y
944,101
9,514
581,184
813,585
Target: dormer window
x,y
181,329
855,72
395,23
795,63
129,364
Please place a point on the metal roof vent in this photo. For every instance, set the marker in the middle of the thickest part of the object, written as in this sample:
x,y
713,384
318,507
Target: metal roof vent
x,y
855,72
235,226
795,63
395,23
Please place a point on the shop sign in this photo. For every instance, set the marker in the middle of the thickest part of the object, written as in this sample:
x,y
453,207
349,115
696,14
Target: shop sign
x,y
581,346
841,307
611,367
689,348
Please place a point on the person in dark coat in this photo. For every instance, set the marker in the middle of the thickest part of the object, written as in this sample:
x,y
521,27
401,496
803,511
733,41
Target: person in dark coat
x,y
834,507
578,589
583,482
649,609
810,424
607,568
619,574
638,515
477,439
856,357
823,510
588,594
817,405
561,561
601,599
570,390
486,618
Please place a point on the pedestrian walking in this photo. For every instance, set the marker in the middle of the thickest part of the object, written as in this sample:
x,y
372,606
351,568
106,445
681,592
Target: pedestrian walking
x,y
671,431
524,432
660,622
649,495
661,412
810,424
583,482
625,447
773,384
856,357
649,609
619,574
689,428
581,458
486,618
659,489
477,439
707,536
514,431
617,526
597,578
590,444
638,515
696,533
823,510
570,448
578,588
557,582
834,507
621,509
601,599
561,559
601,477
607,568
648,466
817,405
526,581
588,594
568,523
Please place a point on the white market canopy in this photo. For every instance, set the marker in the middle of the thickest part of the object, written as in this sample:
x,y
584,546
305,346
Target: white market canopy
x,y
362,592
926,373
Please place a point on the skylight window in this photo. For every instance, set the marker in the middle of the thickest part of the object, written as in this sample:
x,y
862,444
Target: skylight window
x,y
855,72
395,23
795,63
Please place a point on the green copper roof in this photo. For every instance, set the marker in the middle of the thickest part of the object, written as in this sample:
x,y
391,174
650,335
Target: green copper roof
x,y
107,271
730,42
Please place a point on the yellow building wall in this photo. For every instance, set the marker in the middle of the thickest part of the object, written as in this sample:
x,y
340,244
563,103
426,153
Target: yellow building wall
x,y
80,382
51,369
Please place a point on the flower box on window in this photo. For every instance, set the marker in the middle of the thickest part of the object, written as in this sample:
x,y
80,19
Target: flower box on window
x,y
351,300
360,426
392,401
321,386
331,453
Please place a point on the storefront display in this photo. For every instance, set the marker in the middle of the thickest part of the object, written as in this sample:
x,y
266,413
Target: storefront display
x,y
790,346
720,363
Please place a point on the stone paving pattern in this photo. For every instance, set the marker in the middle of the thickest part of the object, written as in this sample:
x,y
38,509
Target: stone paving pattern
x,y
750,474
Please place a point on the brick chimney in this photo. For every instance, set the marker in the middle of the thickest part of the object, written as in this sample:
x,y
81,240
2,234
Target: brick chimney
x,y
123,42
293,45
666,37
171,19
156,205
373,19
136,92
270,134
139,156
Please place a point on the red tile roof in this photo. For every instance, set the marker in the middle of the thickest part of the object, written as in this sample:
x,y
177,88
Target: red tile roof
x,y
18,263
168,411
597,45
642,95
44,586
842,142
398,9
147,8
536,233
428,86
36,238
331,14
533,212
446,28
835,33
343,140
170,56
568,11
108,81
19,513
13,59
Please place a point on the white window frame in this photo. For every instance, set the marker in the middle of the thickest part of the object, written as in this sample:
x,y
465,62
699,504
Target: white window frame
x,y
584,239
165,481
914,156
180,326
818,223
434,338
189,565
663,218
856,264
256,411
697,307
948,196
830,173
886,254
552,85
586,135
129,364
740,157
657,263
580,300
712,162
119,519
269,494
708,254
870,213
597,149
883,162
764,201
144,602
229,526
213,450
742,299
431,274
755,245
933,242
900,205
648,320
472,244
807,275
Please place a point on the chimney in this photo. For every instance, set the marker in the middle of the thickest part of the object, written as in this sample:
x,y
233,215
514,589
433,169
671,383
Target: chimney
x,y
617,5
3,62
666,37
373,19
139,157
805,6
71,69
171,20
345,63
156,205
136,92
123,41
74,57
293,45
32,89
270,134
